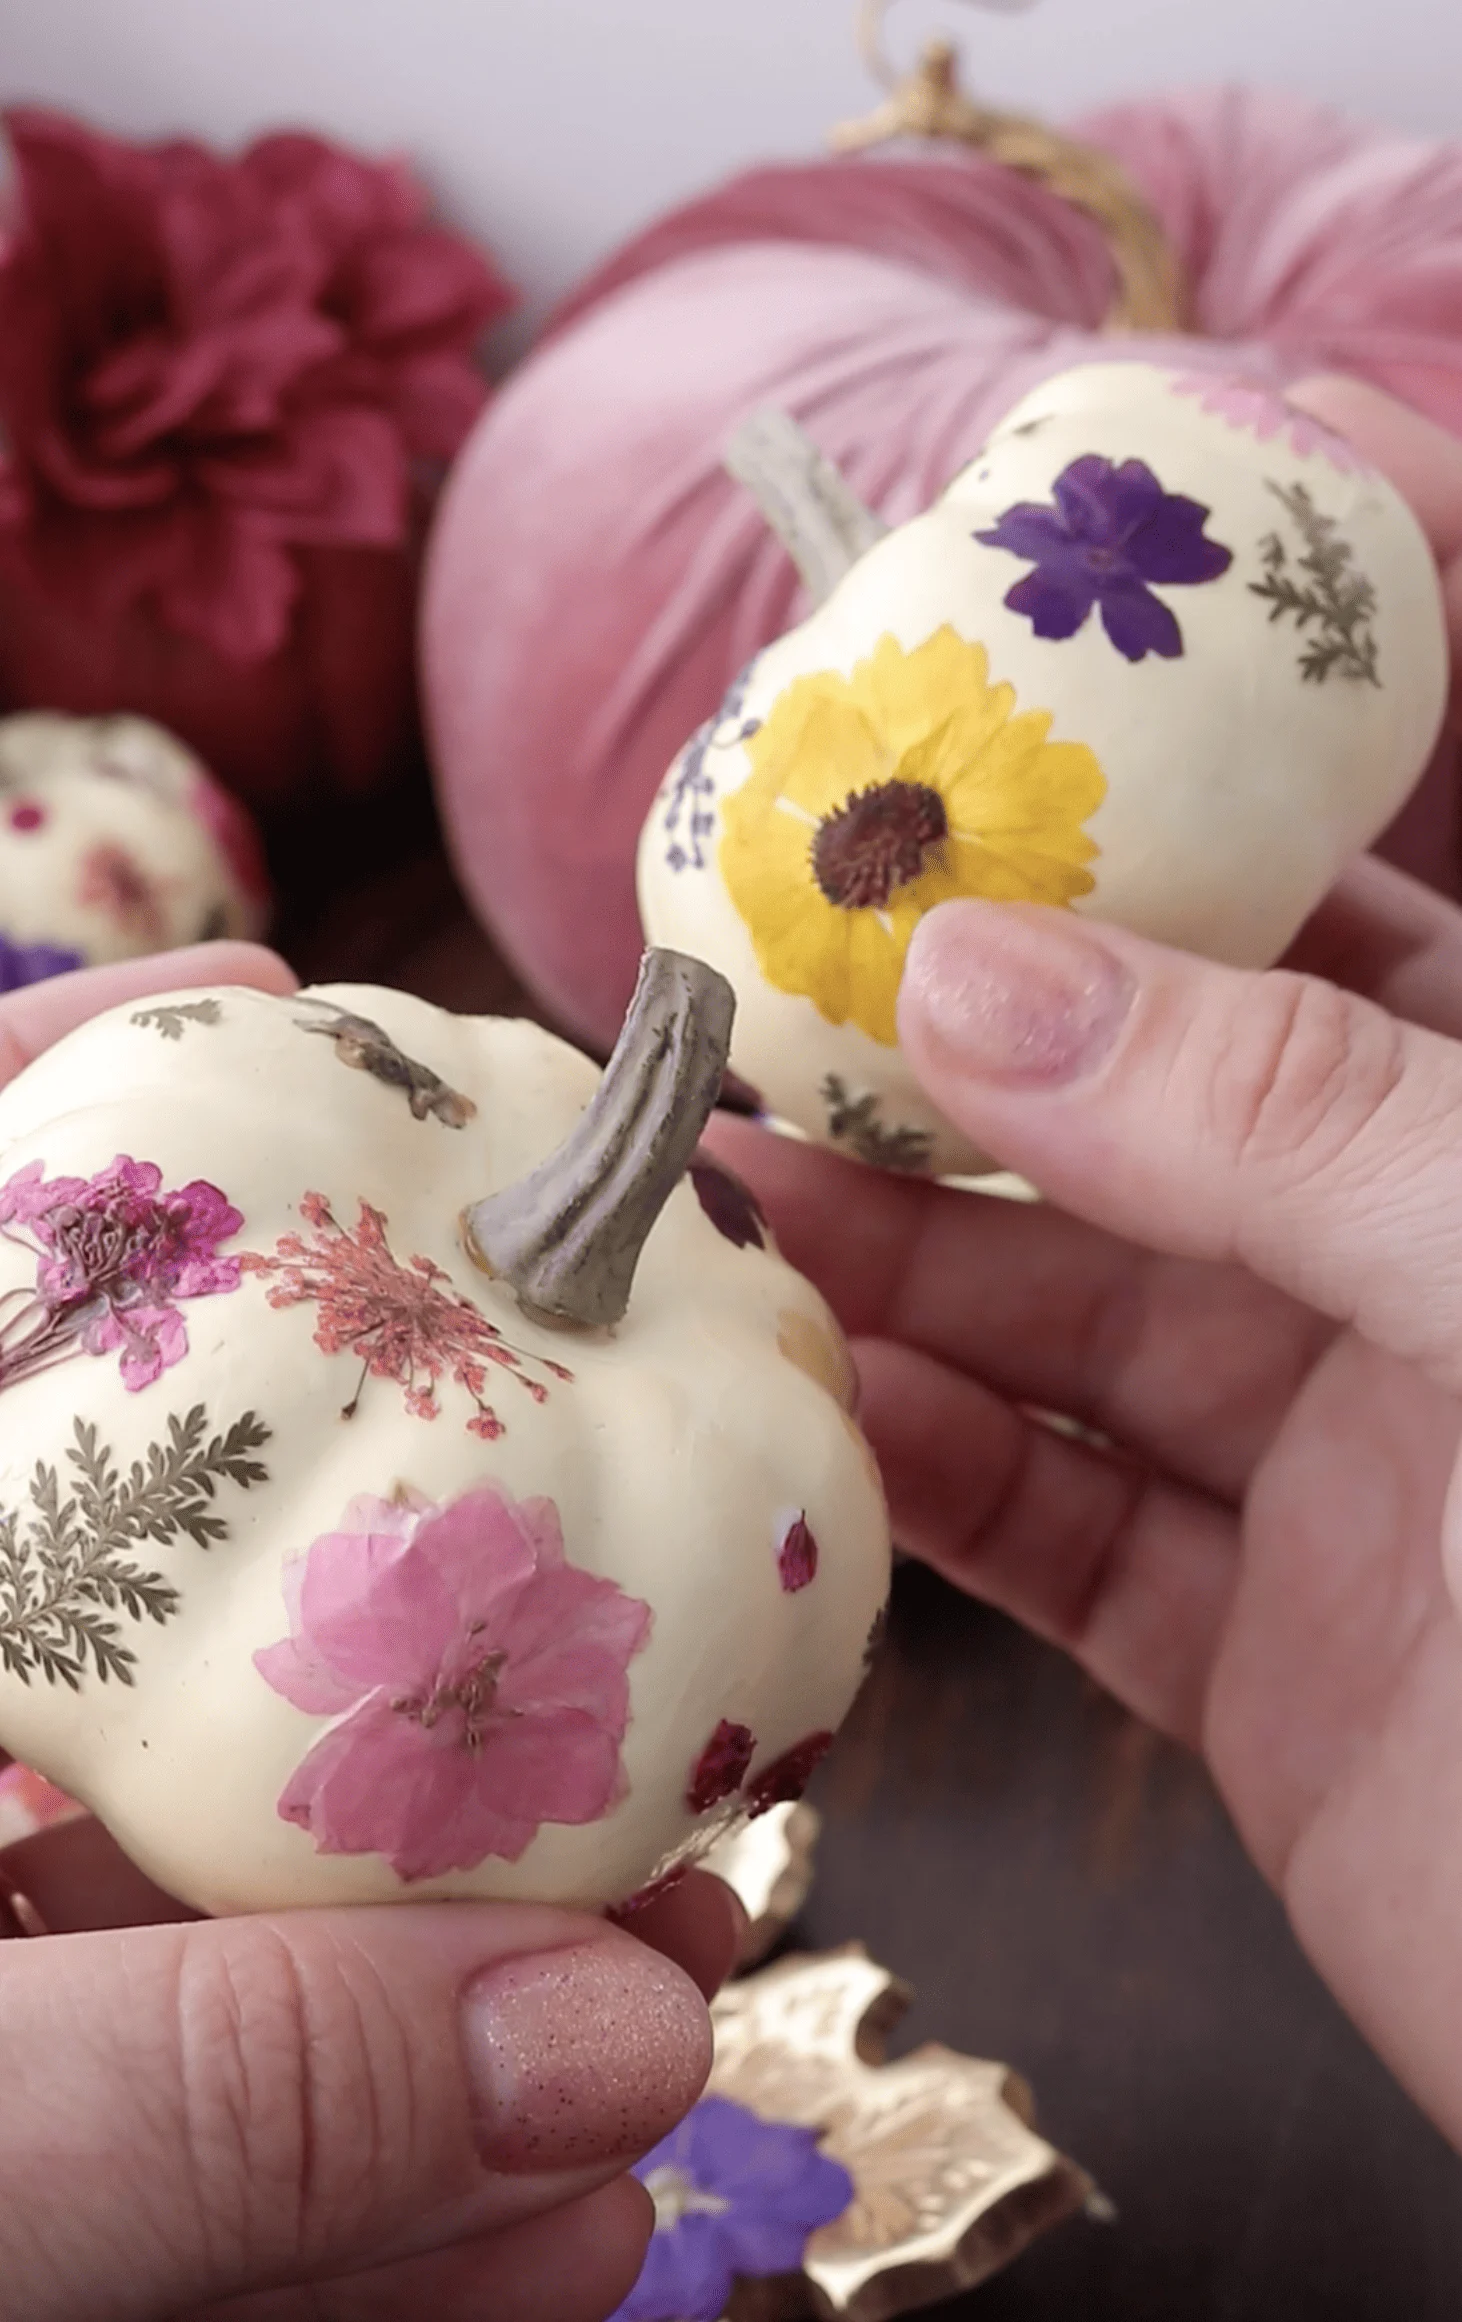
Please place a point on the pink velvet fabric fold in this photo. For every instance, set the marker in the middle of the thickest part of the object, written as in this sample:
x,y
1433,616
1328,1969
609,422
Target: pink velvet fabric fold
x,y
596,580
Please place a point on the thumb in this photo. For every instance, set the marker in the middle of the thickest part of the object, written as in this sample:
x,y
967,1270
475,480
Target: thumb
x,y
194,2112
1203,1112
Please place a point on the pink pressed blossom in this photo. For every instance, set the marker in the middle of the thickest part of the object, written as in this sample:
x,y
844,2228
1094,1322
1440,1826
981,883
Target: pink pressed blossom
x,y
115,1253
113,882
480,1681
1261,411
797,1554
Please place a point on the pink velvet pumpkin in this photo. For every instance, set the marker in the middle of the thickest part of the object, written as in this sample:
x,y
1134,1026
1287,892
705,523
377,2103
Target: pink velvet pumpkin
x,y
595,580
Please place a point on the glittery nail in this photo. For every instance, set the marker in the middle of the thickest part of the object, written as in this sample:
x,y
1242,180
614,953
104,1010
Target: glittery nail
x,y
580,2056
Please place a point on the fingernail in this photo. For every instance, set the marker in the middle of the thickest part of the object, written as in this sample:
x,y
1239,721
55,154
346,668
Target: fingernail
x,y
1014,993
584,2055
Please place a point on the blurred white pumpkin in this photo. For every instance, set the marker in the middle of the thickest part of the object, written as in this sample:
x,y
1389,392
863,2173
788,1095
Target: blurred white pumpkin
x,y
115,841
1166,653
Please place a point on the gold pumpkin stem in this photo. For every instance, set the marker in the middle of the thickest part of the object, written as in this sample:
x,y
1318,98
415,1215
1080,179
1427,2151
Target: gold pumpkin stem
x,y
568,1237
1151,294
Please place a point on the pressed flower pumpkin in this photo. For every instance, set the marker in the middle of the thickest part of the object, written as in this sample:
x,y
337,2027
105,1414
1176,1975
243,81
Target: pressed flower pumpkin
x,y
1165,652
115,841
415,1478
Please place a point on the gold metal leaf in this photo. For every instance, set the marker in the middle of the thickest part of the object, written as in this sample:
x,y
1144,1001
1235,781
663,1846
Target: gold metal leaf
x,y
951,2180
768,1864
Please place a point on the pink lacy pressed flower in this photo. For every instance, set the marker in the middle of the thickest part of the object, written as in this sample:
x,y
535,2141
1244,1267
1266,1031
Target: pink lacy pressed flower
x,y
479,1678
797,1554
1260,410
405,1323
720,1769
115,1252
205,364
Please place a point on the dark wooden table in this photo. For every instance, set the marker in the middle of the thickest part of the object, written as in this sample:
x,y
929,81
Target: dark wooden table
x,y
1062,1889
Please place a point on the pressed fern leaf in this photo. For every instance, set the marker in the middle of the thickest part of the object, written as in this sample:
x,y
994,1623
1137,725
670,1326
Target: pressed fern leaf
x,y
71,1581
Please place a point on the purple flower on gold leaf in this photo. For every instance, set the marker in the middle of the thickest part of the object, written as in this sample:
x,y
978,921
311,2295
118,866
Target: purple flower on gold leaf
x,y
405,1323
33,963
479,1679
734,2195
116,1252
797,1554
721,1768
787,1777
1111,537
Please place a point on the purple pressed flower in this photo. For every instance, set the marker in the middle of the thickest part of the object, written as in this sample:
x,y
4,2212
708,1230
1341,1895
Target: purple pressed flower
x,y
32,963
734,2195
1112,536
115,1252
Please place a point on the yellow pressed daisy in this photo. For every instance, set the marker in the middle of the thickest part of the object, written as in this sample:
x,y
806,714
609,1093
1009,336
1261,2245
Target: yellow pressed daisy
x,y
876,796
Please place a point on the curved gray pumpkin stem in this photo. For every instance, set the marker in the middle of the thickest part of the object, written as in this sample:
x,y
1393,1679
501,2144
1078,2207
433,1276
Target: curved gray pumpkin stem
x,y
568,1238
807,502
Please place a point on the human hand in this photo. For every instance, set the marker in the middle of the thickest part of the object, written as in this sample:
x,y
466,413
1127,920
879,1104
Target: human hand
x,y
347,2115
1250,1282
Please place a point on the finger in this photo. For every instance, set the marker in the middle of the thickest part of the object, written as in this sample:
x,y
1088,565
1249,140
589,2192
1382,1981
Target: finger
x,y
1130,1574
1391,939
699,1923
572,2267
1264,1119
41,1014
1190,1366
1422,460
253,2103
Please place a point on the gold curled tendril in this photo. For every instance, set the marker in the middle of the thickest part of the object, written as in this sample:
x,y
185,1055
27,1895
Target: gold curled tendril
x,y
1151,294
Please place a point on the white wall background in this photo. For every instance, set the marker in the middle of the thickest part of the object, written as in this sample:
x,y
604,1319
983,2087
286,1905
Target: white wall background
x,y
552,127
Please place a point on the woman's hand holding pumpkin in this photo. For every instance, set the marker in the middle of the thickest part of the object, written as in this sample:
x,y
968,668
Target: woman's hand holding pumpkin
x,y
1249,1281
357,2113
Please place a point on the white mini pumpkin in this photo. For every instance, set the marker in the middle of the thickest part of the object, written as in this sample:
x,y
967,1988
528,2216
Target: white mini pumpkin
x,y
337,1561
115,842
1166,653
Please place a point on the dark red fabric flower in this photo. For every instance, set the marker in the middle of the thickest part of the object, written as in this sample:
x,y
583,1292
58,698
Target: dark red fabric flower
x,y
206,365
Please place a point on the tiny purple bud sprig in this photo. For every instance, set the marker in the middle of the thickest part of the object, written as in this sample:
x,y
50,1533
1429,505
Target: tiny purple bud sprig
x,y
115,1254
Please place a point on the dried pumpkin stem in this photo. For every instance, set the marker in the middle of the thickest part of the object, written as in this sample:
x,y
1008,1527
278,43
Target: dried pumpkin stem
x,y
814,512
568,1238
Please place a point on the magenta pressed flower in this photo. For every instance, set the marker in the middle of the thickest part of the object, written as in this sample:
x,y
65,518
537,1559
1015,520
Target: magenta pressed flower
x,y
797,1554
1261,411
116,1252
721,1768
732,1210
1111,537
479,1679
734,2195
787,1777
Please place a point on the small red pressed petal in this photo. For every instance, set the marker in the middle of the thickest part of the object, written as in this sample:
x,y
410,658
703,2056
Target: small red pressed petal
x,y
797,1555
642,1898
720,1769
27,815
788,1776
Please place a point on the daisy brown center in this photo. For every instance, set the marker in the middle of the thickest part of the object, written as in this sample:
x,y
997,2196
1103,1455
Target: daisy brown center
x,y
876,842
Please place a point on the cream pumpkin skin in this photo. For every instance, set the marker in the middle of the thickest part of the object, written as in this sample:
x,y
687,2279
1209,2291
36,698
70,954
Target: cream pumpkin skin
x,y
415,1480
